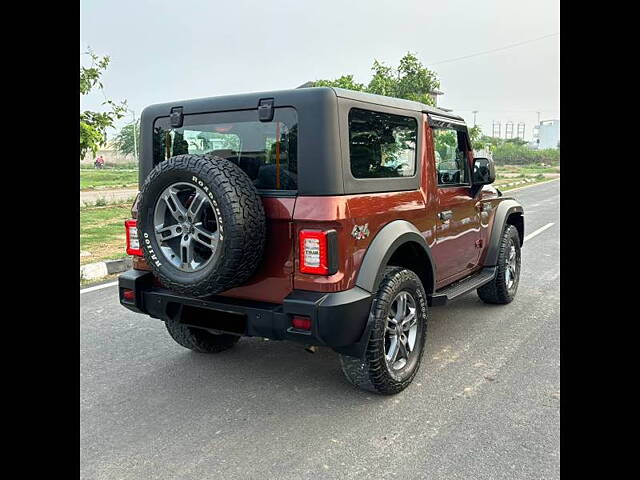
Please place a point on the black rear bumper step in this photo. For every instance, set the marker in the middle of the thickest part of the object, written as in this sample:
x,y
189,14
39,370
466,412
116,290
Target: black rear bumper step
x,y
338,319
442,296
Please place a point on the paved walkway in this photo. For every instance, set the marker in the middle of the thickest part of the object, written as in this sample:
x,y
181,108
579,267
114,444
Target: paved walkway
x,y
109,195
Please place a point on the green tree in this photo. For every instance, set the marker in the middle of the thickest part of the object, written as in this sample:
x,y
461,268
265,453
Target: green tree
x,y
124,141
516,141
93,125
475,133
411,80
345,81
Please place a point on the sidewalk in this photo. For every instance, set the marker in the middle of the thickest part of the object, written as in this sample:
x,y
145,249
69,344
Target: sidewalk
x,y
109,195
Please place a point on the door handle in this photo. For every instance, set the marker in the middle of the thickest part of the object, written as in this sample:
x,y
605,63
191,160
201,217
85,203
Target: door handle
x,y
446,215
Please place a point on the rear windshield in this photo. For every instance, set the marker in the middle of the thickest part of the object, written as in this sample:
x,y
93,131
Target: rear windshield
x,y
265,151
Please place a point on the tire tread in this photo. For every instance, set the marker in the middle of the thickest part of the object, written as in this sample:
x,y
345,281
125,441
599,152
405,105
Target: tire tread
x,y
496,292
371,373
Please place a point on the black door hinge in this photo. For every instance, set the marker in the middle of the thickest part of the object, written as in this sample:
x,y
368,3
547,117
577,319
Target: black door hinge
x,y
176,117
265,110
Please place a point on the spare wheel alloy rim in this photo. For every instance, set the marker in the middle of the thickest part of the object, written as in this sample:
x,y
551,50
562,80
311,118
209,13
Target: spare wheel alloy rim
x,y
186,227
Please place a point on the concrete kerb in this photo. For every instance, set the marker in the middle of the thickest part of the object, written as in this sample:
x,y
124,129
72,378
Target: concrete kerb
x,y
91,271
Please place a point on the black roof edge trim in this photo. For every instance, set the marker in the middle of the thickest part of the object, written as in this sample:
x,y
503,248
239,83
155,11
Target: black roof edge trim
x,y
444,121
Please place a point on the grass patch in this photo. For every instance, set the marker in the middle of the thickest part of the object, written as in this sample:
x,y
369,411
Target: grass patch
x,y
532,169
102,232
91,179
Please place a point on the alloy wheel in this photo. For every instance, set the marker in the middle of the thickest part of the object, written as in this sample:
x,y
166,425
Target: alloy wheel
x,y
401,331
186,227
512,270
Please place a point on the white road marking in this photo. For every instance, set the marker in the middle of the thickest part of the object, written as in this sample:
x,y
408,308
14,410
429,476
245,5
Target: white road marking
x,y
538,231
98,287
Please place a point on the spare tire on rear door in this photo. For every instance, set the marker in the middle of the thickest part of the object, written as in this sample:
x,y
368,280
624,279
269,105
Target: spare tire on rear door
x,y
201,224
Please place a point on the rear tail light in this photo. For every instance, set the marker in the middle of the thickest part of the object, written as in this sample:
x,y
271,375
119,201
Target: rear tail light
x,y
318,252
313,252
301,323
133,242
129,295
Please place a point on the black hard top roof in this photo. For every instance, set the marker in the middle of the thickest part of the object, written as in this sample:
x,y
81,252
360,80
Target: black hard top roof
x,y
250,101
392,102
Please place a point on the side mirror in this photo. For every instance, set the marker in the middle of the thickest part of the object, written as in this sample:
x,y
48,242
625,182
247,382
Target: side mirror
x,y
484,171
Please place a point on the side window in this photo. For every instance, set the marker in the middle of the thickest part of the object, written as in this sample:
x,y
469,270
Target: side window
x,y
382,145
451,156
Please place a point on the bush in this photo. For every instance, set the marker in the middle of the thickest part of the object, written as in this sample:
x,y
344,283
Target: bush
x,y
512,154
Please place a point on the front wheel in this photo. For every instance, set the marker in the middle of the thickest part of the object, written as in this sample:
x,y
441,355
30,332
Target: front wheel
x,y
397,338
502,289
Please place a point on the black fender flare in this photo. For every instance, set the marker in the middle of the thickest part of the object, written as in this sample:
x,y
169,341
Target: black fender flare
x,y
503,211
390,237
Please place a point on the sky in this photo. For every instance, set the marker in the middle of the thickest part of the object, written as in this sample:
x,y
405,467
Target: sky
x,y
163,51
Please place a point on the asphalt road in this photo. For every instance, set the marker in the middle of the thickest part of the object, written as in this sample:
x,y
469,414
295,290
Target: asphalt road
x,y
484,405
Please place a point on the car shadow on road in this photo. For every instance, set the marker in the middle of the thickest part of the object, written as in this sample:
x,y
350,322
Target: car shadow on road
x,y
280,370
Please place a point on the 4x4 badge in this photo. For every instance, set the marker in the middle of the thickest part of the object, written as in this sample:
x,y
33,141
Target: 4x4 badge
x,y
360,232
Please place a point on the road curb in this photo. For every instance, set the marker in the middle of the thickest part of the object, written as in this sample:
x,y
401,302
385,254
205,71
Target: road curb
x,y
91,271
529,186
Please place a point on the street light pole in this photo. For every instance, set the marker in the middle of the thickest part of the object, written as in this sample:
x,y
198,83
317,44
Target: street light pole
x,y
474,117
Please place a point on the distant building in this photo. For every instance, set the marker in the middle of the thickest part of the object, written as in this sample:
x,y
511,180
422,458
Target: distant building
x,y
434,96
547,134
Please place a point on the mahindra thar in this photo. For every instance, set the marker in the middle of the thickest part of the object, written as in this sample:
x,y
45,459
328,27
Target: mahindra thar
x,y
317,215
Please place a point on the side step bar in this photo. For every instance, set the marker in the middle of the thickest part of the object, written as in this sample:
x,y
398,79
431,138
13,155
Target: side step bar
x,y
442,296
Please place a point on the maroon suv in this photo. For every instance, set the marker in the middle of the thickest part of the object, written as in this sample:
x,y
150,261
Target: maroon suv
x,y
319,215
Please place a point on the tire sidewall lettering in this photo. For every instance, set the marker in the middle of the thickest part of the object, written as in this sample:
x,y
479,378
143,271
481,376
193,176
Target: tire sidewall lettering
x,y
209,193
149,248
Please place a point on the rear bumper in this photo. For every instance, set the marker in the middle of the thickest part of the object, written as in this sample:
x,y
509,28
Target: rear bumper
x,y
339,320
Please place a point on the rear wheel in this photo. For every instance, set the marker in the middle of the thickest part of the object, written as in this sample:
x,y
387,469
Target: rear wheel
x,y
502,289
397,338
199,340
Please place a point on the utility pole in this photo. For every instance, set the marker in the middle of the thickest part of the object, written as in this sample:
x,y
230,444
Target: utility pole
x,y
474,117
538,117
